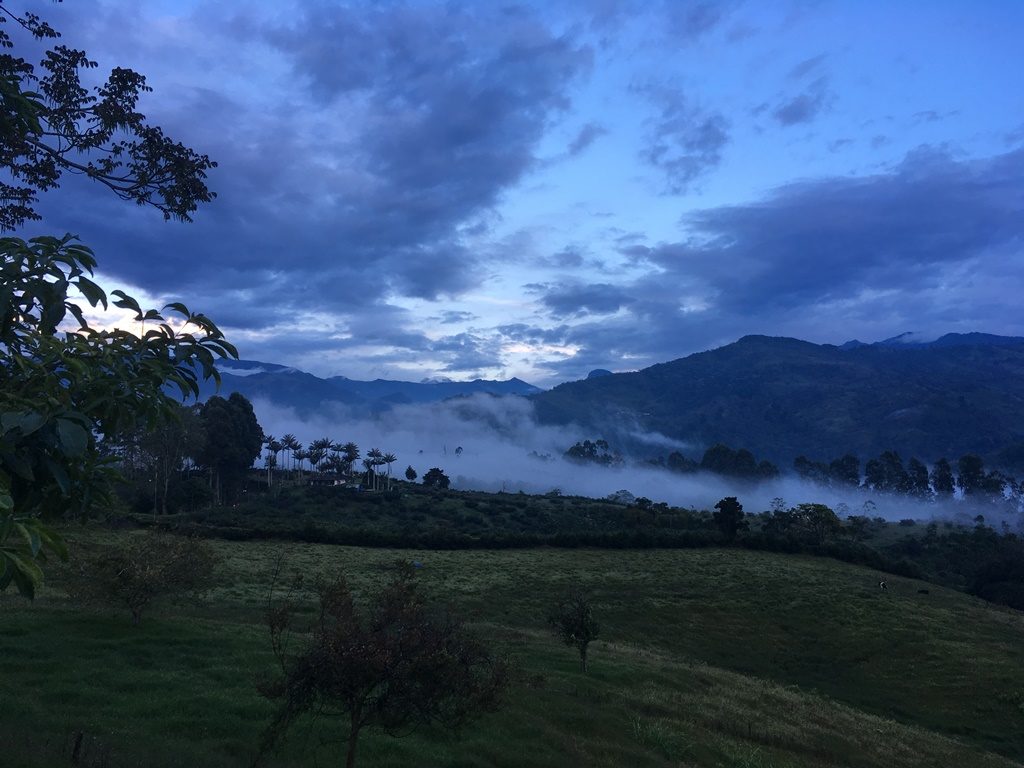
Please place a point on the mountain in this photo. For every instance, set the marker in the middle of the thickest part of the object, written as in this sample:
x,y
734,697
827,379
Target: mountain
x,y
782,397
306,393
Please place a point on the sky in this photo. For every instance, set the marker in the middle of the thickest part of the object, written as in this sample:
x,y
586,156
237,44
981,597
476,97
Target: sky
x,y
464,190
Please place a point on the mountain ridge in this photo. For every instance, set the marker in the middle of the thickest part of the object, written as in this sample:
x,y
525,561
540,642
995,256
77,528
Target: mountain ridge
x,y
781,397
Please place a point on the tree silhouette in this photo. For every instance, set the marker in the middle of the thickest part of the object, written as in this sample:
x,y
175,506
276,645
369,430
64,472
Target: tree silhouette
x,y
396,666
435,478
573,622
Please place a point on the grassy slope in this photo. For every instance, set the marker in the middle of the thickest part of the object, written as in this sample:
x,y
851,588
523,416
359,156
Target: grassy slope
x,y
709,658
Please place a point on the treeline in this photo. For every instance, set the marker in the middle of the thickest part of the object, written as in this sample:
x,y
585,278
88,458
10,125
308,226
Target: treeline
x,y
205,455
888,474
720,459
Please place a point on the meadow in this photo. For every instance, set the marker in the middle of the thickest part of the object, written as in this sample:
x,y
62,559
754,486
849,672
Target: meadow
x,y
707,657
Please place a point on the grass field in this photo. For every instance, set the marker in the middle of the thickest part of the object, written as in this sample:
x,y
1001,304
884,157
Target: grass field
x,y
708,657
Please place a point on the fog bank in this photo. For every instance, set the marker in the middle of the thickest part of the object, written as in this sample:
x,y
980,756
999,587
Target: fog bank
x,y
503,448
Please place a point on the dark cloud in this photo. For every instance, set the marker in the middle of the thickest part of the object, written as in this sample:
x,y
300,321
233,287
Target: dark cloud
x,y
588,134
684,142
933,245
585,299
805,106
807,66
402,129
692,19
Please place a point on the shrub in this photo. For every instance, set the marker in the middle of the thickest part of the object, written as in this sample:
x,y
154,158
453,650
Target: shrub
x,y
147,567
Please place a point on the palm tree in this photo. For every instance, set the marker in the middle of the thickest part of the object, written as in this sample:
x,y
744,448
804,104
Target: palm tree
x,y
274,447
376,458
320,448
389,459
350,455
291,444
301,455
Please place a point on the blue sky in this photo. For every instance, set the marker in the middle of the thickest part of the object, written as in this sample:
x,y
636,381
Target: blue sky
x,y
482,189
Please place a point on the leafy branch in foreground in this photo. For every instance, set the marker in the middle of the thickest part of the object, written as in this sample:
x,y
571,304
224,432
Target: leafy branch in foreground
x,y
62,391
52,124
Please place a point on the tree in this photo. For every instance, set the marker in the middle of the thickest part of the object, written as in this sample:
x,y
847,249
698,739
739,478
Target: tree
x,y
597,452
845,470
818,522
970,473
147,567
154,458
573,622
389,459
729,517
291,444
234,440
51,125
62,394
410,474
942,478
435,478
394,667
917,478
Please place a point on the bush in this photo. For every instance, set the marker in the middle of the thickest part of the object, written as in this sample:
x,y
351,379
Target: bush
x,y
147,567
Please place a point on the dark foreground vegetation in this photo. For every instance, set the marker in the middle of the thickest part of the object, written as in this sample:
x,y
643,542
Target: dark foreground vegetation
x,y
710,657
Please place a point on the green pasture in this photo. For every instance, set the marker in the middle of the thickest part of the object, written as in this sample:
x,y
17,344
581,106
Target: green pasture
x,y
707,657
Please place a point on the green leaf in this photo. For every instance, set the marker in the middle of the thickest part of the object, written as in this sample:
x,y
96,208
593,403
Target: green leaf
x,y
73,437
26,574
31,537
92,292
60,475
127,302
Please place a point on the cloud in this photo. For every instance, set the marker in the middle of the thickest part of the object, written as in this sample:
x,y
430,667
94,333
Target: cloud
x,y
684,142
452,317
588,134
805,106
585,299
933,244
375,139
807,67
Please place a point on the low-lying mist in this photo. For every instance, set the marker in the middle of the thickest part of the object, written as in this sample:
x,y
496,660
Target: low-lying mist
x,y
503,448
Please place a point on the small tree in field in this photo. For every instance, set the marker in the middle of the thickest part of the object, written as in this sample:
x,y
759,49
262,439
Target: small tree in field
x,y
149,566
410,474
396,666
573,622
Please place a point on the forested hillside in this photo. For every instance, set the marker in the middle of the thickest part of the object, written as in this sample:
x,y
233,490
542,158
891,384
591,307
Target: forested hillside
x,y
783,397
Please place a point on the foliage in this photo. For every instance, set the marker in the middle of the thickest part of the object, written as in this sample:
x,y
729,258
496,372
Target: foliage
x,y
436,478
52,124
594,452
144,568
573,623
398,666
234,440
61,392
410,474
729,517
151,460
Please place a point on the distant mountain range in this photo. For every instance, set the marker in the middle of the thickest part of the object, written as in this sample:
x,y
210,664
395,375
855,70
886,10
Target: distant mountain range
x,y
782,397
306,393
778,397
